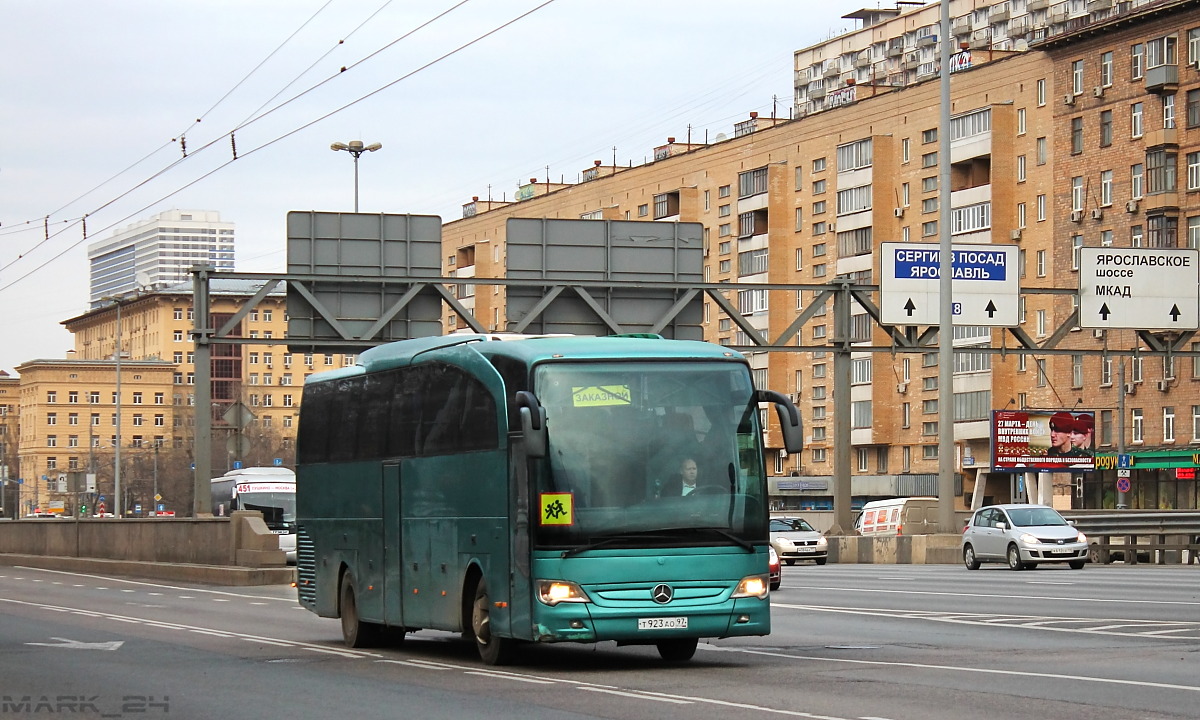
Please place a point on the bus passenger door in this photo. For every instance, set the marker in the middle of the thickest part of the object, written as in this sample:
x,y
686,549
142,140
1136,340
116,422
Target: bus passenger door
x,y
393,556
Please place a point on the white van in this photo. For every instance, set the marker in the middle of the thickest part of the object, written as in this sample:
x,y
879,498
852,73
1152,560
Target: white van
x,y
899,516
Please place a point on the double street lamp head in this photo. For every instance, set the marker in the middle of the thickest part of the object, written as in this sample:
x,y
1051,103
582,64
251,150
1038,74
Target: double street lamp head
x,y
355,147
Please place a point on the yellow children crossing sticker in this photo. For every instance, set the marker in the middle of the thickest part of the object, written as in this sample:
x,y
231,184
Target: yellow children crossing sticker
x,y
600,395
557,509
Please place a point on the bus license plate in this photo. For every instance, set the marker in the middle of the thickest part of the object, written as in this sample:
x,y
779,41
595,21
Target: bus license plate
x,y
663,623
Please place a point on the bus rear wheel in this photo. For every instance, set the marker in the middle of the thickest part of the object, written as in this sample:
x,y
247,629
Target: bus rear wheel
x,y
355,632
493,650
678,650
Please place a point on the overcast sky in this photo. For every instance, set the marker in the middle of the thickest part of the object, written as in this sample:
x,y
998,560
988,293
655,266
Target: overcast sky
x,y
95,96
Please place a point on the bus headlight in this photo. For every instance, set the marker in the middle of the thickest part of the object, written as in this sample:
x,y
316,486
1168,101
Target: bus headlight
x,y
752,586
553,592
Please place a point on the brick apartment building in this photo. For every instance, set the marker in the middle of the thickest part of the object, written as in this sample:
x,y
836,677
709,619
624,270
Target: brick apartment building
x,y
809,199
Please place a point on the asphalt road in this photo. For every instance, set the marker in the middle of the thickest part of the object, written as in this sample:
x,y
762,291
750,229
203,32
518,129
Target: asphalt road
x,y
854,642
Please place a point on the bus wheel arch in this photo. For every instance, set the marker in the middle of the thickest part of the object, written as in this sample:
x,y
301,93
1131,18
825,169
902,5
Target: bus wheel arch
x,y
477,602
356,633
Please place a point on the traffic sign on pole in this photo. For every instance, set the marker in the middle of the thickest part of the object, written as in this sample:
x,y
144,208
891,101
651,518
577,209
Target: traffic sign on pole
x,y
1139,288
985,287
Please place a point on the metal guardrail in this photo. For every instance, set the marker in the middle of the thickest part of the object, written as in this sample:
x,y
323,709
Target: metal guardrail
x,y
1161,535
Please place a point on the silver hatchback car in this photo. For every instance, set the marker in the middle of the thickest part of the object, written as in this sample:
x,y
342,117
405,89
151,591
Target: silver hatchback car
x,y
1023,536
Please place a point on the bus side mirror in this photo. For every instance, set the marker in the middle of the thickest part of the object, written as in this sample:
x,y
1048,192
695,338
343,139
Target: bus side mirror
x,y
533,423
789,419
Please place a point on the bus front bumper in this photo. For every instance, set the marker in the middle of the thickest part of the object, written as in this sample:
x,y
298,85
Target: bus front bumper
x,y
589,622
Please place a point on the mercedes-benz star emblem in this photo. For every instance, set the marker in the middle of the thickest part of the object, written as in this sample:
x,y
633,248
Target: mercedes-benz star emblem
x,y
662,593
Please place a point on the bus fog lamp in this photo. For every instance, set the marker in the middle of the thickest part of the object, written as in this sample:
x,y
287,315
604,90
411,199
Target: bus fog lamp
x,y
752,586
553,592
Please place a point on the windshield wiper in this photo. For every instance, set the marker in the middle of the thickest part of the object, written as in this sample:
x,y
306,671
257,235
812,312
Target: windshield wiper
x,y
659,533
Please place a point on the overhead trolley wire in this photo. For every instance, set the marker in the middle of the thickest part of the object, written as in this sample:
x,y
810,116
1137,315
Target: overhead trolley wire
x,y
286,135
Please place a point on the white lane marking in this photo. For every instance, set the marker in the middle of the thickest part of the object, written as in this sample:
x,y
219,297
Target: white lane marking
x,y
339,653
637,695
80,645
1048,582
156,624
507,676
1139,601
976,671
220,599
144,583
624,692
266,642
1033,622
418,664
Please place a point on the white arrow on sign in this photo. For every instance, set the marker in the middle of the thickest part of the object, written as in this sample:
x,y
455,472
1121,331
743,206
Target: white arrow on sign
x,y
78,645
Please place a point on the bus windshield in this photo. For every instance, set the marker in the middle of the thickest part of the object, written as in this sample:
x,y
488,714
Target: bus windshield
x,y
278,508
644,453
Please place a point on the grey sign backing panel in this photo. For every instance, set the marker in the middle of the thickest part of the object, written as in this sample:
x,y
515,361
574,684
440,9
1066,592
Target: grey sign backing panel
x,y
619,251
359,245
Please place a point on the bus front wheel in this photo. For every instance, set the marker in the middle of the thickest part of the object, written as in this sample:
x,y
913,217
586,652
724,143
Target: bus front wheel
x,y
493,650
677,650
355,632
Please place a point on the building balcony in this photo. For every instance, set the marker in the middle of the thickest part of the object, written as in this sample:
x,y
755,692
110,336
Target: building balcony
x,y
961,26
1034,5
863,61
927,41
895,51
1161,202
832,70
1099,5
1162,79
1161,138
999,13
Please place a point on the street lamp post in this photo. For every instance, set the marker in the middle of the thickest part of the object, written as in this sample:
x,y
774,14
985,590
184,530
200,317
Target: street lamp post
x,y
117,504
355,148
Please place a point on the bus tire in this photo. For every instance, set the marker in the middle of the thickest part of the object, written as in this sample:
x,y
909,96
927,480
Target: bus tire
x,y
355,632
493,650
676,651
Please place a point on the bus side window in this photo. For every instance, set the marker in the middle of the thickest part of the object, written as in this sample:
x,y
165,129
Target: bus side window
x,y
373,416
405,412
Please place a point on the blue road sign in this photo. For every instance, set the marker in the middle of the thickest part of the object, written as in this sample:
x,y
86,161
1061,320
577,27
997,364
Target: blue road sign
x,y
237,464
278,462
1124,460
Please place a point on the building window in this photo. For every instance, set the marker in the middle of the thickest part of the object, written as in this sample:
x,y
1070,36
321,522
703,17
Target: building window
x,y
1077,193
1077,77
854,156
1162,231
177,336
1041,208
752,182
905,151
1041,92
1106,183
1135,236
1193,108
1135,120
929,160
1161,51
1137,61
1020,168
1136,177
1160,172
1042,152
1168,111
1106,128
1136,426
1021,121
818,165
1106,69
1193,171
